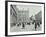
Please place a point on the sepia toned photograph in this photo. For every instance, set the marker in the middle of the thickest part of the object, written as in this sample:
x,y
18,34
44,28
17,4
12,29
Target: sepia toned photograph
x,y
25,18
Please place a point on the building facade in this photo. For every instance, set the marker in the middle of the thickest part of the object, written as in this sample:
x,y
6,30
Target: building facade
x,y
22,15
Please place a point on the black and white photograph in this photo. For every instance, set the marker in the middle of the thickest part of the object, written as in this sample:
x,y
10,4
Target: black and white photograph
x,y
25,18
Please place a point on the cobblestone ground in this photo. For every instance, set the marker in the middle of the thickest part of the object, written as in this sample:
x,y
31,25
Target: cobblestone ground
x,y
26,28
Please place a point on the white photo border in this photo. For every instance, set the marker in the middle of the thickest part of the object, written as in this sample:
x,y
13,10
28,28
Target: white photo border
x,y
7,26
